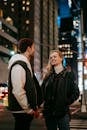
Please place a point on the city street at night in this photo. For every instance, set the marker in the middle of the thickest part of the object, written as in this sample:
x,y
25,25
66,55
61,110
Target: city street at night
x,y
7,122
43,46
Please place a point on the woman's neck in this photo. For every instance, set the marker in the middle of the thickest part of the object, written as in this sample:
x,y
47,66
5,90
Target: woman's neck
x,y
58,68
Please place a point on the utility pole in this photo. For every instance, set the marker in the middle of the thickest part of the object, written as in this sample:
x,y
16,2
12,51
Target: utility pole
x,y
84,106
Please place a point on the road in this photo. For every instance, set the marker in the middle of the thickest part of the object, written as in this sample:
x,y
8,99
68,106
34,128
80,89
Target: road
x,y
78,124
7,122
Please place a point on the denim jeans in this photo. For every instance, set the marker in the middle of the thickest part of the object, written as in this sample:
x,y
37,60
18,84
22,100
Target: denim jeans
x,y
52,123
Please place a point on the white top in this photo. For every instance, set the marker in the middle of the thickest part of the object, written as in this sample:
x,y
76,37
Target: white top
x,y
18,78
58,68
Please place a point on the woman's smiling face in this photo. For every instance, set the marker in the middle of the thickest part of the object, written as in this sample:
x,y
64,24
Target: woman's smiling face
x,y
55,59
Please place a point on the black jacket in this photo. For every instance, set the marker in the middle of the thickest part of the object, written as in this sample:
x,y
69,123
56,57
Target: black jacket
x,y
59,91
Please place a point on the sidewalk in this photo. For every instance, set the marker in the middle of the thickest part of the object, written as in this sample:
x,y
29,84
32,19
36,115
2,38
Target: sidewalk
x,y
79,115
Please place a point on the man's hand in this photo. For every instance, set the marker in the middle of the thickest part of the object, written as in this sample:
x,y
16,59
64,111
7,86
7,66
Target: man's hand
x,y
30,111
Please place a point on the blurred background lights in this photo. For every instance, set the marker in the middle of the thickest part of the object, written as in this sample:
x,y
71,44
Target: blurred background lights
x,y
12,53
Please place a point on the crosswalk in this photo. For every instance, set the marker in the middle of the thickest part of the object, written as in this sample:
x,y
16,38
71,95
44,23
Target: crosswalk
x,y
78,124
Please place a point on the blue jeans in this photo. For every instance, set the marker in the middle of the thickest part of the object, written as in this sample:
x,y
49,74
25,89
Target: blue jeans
x,y
52,123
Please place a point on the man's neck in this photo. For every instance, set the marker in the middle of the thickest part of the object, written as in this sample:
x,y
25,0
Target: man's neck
x,y
26,55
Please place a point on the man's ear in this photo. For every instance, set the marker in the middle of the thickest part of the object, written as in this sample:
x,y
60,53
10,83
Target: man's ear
x,y
29,48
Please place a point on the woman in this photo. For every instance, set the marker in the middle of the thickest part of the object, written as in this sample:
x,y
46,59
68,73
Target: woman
x,y
59,91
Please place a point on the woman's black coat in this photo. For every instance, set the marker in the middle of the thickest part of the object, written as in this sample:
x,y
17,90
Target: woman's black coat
x,y
59,91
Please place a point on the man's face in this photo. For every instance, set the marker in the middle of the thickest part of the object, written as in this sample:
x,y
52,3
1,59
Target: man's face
x,y
32,49
55,59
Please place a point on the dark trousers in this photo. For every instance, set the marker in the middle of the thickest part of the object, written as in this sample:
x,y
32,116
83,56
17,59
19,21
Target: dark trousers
x,y
52,123
22,121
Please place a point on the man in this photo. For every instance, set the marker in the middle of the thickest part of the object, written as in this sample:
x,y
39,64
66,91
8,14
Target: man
x,y
59,91
22,92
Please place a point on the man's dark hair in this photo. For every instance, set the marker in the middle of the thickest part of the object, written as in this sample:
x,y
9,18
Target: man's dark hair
x,y
24,43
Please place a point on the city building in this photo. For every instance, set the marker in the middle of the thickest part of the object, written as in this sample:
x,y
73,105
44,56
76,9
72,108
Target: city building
x,y
8,44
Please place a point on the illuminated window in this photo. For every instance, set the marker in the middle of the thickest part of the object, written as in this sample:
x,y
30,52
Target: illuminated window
x,y
28,3
27,28
0,25
12,9
23,8
5,3
69,3
27,21
23,1
12,4
9,20
27,8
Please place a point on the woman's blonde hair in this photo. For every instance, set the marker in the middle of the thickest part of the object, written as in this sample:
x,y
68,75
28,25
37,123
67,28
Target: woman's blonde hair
x,y
57,51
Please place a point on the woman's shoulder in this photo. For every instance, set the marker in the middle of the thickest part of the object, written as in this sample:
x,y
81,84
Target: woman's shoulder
x,y
69,73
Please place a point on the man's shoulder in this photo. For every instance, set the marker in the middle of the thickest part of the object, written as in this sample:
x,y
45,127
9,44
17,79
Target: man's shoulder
x,y
21,63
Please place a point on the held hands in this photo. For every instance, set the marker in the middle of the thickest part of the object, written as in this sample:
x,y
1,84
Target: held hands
x,y
30,111
38,114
